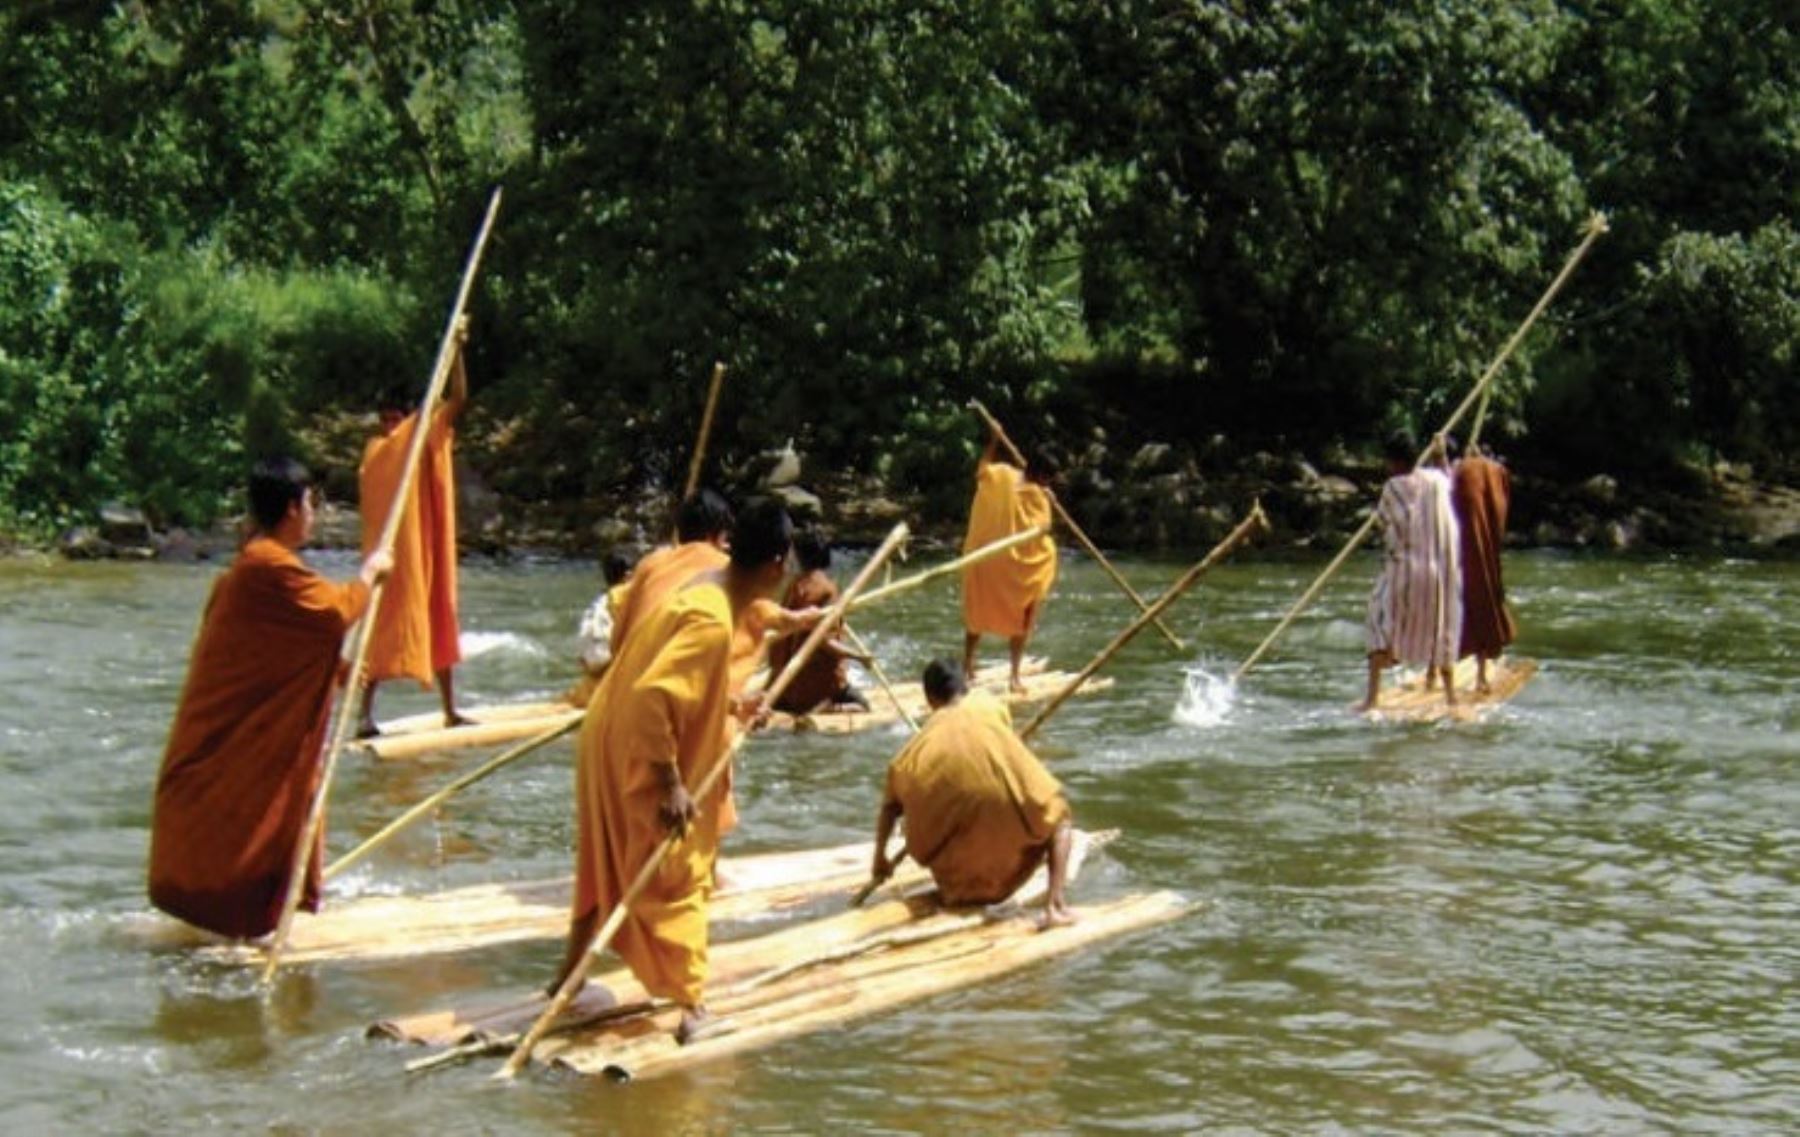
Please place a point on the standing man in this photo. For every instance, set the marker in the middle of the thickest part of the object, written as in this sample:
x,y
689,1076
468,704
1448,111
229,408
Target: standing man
x,y
1415,610
244,754
593,636
416,633
981,811
1004,595
1481,491
657,727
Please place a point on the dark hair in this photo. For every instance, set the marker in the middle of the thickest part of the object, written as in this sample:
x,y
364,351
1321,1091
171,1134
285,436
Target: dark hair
x,y
703,516
1401,447
944,681
763,533
275,485
616,565
812,548
395,398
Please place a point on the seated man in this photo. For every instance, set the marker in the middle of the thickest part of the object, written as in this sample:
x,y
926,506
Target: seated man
x,y
981,811
824,683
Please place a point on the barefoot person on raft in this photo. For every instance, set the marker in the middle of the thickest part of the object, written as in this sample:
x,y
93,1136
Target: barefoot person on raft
x,y
1004,595
981,811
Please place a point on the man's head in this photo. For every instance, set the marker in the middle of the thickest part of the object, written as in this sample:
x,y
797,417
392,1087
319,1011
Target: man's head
x,y
812,548
1401,449
391,407
944,682
616,566
704,516
281,501
760,543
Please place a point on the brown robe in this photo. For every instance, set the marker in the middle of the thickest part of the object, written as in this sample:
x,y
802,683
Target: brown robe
x,y
244,759
826,675
1481,492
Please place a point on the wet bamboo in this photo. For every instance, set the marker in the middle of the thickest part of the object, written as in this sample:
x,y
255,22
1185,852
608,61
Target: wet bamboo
x,y
698,461
448,348
1081,537
1596,227
492,766
908,583
1254,521
603,938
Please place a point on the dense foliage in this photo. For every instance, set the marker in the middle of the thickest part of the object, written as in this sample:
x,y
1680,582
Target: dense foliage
x,y
1291,223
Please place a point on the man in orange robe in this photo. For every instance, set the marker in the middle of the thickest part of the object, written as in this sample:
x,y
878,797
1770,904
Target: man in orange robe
x,y
656,728
416,633
1481,492
981,811
1004,595
244,755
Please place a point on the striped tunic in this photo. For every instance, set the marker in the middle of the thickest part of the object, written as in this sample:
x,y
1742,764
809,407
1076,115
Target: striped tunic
x,y
1415,610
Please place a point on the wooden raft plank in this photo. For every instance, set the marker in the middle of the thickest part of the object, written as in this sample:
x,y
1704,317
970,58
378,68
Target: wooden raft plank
x,y
853,989
1409,701
492,727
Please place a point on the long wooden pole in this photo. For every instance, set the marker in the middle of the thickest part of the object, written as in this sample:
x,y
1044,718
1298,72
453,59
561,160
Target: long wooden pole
x,y
919,579
1252,523
881,678
616,919
1081,537
492,766
1596,227
706,420
315,815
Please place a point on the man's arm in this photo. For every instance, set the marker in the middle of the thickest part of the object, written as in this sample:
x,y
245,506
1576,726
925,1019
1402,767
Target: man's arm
x,y
884,829
457,396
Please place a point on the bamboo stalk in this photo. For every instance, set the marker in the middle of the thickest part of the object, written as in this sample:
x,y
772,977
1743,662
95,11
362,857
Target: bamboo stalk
x,y
616,918
706,421
881,678
310,833
1081,537
387,832
919,579
1253,521
861,895
1596,227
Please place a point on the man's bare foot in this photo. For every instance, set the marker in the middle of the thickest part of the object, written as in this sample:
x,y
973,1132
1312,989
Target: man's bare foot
x,y
1016,686
1365,706
1057,915
367,729
556,985
699,1024
457,718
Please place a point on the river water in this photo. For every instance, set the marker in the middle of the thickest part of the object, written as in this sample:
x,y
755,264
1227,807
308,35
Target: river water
x,y
1579,916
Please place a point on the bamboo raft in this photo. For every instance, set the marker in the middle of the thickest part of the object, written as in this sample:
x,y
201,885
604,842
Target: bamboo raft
x,y
416,735
751,888
1409,701
793,981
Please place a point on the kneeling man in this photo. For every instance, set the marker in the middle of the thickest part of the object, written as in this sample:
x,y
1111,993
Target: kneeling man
x,y
981,811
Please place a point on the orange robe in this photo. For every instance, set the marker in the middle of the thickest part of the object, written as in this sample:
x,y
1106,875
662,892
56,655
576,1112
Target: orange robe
x,y
980,808
244,754
1481,491
826,675
1001,593
664,697
656,576
416,630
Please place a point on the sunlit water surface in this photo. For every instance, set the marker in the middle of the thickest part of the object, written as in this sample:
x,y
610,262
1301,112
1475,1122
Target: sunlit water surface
x,y
1578,916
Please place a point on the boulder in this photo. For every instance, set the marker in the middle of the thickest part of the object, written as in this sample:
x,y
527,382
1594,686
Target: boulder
x,y
85,544
1601,489
125,526
802,504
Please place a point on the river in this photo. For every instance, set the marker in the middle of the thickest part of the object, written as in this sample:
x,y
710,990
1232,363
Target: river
x,y
1577,917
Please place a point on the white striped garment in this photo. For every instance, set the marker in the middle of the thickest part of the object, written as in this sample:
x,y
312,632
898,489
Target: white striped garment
x,y
1415,611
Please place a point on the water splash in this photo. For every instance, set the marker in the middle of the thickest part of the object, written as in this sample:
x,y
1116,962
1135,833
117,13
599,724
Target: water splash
x,y
475,644
1206,699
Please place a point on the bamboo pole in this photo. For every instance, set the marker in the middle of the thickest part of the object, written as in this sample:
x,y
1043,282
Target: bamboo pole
x,y
1253,521
706,421
604,937
1595,228
494,765
919,579
311,831
1081,537
881,678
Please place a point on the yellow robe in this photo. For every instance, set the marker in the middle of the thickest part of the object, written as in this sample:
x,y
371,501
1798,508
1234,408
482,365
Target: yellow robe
x,y
980,808
416,631
656,576
665,696
1001,593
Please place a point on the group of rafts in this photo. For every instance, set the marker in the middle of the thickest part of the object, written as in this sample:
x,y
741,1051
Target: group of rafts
x,y
819,969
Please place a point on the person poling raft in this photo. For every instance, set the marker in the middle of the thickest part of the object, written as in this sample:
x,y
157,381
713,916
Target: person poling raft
x,y
1005,596
1415,608
243,758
